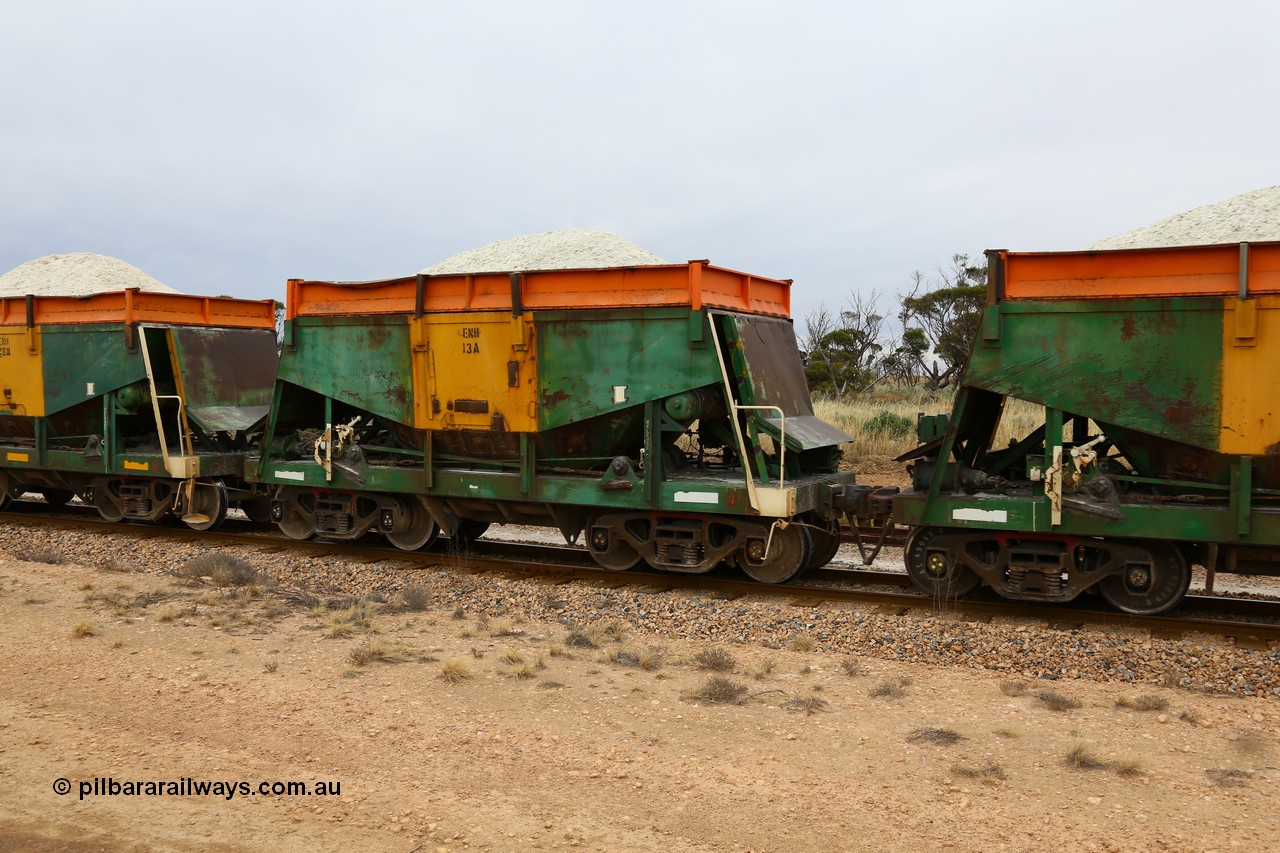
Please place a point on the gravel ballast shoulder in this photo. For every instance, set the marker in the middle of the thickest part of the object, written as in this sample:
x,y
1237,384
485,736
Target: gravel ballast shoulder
x,y
1023,648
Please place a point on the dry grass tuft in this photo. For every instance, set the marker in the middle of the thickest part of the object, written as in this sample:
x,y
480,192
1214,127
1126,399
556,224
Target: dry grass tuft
x,y
1081,756
414,597
1151,702
890,688
85,629
459,613
169,614
512,657
112,564
808,704
802,643
557,651
763,669
851,667
221,570
373,651
1129,767
580,639
719,689
991,773
1007,732
339,629
608,631
715,659
1228,777
46,555
1013,688
270,666
944,737
522,672
1055,701
454,671
1189,716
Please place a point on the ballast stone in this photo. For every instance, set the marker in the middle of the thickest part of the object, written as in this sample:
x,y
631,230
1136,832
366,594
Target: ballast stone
x,y
572,248
76,274
1248,217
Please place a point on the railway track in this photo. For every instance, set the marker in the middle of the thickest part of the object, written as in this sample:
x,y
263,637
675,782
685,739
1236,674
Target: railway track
x,y
1251,623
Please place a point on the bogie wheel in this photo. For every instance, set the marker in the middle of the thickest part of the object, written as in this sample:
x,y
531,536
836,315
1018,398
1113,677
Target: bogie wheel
x,y
5,500
1145,589
777,560
295,525
937,569
106,502
207,506
826,542
57,497
469,530
420,533
608,549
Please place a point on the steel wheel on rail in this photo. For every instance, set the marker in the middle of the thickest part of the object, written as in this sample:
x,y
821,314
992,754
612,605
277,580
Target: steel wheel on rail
x,y
296,526
1145,589
779,559
608,549
420,533
826,542
207,507
106,501
937,569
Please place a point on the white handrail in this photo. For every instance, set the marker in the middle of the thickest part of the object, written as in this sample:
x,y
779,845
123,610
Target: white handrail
x,y
782,437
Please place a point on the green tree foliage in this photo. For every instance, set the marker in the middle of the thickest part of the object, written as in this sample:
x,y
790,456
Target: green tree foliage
x,y
940,320
842,354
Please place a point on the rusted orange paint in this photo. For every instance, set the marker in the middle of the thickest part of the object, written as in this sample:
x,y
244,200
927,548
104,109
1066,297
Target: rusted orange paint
x,y
694,284
1176,271
137,306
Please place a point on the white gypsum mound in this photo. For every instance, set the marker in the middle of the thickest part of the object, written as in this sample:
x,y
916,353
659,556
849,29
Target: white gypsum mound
x,y
573,248
78,274
1248,217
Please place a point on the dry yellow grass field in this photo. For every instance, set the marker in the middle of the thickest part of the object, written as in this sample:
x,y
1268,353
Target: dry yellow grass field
x,y
877,433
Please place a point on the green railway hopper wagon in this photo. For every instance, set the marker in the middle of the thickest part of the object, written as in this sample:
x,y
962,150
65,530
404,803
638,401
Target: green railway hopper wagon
x,y
1160,438
662,410
142,404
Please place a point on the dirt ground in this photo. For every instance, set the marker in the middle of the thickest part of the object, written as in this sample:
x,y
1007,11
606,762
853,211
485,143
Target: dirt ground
x,y
550,745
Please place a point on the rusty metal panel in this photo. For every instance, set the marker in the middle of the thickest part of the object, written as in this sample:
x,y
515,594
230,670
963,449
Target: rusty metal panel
x,y
1151,365
475,371
771,366
227,374
609,363
363,361
86,361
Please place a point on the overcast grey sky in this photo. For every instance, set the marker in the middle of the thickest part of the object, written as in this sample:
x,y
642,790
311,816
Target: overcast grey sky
x,y
226,147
